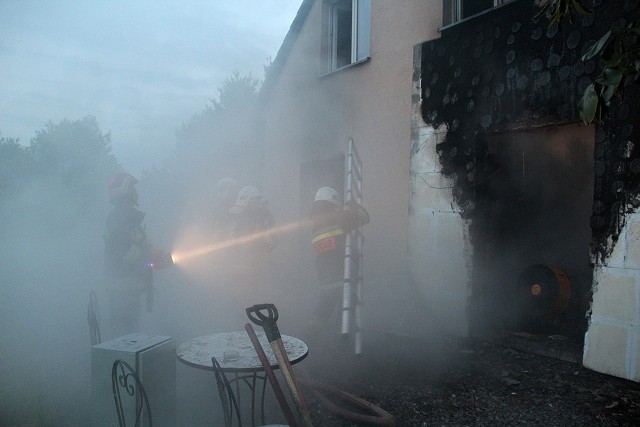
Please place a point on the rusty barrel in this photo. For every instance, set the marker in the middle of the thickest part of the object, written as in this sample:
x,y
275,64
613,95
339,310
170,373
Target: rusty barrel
x,y
544,293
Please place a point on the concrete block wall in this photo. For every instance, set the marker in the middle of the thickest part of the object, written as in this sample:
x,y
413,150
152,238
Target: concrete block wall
x,y
437,237
613,336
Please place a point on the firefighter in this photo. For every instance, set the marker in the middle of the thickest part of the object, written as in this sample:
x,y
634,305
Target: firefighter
x,y
251,243
331,221
225,197
251,221
129,258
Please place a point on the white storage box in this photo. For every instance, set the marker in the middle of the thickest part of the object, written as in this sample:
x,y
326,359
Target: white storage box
x,y
154,359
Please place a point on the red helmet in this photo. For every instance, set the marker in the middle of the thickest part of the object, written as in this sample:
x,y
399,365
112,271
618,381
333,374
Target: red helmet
x,y
122,185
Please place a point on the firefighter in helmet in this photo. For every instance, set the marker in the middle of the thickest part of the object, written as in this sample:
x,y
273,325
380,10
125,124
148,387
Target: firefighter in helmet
x,y
249,254
331,220
129,258
251,221
225,198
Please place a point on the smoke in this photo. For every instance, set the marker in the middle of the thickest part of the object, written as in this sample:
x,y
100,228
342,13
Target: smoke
x,y
533,209
51,254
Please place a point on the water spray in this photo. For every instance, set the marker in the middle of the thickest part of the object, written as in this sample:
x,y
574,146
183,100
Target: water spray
x,y
181,256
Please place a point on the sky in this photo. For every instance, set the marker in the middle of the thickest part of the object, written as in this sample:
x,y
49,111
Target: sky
x,y
142,67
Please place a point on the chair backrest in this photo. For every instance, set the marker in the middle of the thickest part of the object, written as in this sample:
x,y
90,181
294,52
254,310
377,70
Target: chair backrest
x,y
92,318
129,395
227,398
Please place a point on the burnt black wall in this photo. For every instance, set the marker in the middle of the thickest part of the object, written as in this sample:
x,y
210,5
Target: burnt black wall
x,y
507,70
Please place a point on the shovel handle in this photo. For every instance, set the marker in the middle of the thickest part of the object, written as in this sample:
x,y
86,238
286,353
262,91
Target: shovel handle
x,y
265,315
271,376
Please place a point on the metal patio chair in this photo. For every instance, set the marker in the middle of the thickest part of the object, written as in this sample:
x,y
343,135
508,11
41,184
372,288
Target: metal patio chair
x,y
227,398
128,393
230,405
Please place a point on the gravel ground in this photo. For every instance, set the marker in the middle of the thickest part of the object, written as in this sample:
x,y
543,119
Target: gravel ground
x,y
475,383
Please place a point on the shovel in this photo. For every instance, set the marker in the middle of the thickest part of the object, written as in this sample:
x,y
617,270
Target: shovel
x,y
266,315
271,376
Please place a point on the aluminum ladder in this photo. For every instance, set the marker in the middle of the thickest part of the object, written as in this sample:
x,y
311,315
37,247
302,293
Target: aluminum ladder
x,y
354,240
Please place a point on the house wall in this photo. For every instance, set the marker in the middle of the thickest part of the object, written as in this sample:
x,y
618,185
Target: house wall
x,y
311,116
613,338
439,247
503,71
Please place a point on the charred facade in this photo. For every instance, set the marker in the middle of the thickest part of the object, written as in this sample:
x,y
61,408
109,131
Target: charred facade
x,y
508,72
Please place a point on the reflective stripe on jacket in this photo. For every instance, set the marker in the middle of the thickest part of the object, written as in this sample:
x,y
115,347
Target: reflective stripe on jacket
x,y
325,239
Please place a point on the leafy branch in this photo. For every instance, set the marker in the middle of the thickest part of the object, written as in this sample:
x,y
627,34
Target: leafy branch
x,y
617,48
558,9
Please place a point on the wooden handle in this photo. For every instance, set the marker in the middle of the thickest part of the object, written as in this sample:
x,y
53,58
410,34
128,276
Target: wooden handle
x,y
290,379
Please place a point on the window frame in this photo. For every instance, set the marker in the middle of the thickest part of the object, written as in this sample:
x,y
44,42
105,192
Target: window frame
x,y
336,37
455,13
360,38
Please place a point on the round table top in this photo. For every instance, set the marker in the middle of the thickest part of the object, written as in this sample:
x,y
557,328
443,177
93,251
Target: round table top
x,y
235,352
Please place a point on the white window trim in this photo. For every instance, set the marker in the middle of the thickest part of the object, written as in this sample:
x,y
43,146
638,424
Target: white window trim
x,y
457,12
357,34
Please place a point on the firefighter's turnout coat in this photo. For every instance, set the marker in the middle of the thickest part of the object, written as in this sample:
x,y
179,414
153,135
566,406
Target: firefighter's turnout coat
x,y
127,251
330,225
128,266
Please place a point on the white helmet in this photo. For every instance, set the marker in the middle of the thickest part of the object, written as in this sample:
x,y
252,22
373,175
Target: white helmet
x,y
123,186
328,194
247,193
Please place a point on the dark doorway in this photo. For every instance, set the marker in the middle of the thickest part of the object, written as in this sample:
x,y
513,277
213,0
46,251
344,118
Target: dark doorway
x,y
531,231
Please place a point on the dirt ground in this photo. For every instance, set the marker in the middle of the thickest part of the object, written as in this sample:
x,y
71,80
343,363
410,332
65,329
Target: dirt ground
x,y
476,383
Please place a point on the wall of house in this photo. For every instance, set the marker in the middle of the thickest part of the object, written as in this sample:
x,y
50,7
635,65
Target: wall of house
x,y
310,116
504,71
613,338
439,247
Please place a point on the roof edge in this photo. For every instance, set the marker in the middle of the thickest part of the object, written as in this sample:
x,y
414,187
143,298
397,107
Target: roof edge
x,y
285,49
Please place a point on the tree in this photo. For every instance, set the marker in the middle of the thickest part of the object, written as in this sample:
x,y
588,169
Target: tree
x,y
236,94
220,141
618,50
77,153
72,164
17,165
224,130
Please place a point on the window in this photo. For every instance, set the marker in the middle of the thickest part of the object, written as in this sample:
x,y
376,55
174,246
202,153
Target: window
x,y
457,10
349,32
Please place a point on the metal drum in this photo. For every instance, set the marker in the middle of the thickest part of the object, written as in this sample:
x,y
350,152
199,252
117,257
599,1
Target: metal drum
x,y
543,293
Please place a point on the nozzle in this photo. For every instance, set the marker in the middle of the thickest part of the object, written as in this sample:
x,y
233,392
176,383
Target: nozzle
x,y
161,260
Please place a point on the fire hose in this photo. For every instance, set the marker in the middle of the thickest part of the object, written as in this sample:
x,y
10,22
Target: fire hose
x,y
377,417
369,414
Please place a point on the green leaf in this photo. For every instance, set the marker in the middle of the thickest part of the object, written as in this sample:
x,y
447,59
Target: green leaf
x,y
597,46
578,6
609,77
613,61
543,10
607,93
588,104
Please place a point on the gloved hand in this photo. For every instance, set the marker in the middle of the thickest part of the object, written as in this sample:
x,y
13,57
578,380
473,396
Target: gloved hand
x,y
160,259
